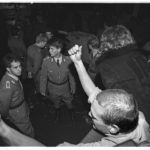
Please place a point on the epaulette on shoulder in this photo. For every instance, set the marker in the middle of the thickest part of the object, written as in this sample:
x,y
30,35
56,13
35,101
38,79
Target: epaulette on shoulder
x,y
46,58
67,57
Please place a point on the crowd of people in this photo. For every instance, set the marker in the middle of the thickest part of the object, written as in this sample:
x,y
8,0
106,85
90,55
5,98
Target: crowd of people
x,y
113,71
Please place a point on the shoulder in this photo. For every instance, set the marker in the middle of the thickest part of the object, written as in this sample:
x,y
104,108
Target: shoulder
x,y
66,58
7,82
32,48
46,58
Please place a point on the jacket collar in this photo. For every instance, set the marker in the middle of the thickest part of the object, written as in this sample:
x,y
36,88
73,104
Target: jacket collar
x,y
12,76
117,53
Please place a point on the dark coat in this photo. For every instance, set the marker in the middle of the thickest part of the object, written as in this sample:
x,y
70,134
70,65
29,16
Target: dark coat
x,y
127,69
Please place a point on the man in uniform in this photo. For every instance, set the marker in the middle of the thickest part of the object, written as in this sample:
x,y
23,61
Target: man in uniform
x,y
35,58
12,104
56,77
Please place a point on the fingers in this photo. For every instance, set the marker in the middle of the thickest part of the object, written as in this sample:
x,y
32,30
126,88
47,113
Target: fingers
x,y
74,49
80,48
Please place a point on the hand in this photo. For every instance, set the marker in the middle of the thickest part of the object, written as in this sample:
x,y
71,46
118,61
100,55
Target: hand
x,y
75,53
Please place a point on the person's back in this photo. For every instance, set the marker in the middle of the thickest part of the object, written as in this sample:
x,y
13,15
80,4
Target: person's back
x,y
127,68
34,54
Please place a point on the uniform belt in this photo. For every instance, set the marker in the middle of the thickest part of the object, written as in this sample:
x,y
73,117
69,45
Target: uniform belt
x,y
58,83
16,106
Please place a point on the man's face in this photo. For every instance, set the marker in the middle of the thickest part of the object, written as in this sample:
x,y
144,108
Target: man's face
x,y
42,44
15,68
49,35
54,51
96,113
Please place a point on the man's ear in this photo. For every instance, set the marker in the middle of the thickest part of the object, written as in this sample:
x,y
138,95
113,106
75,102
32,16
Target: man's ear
x,y
113,129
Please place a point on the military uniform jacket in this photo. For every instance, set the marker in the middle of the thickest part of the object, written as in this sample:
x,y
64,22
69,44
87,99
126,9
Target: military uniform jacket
x,y
57,78
11,94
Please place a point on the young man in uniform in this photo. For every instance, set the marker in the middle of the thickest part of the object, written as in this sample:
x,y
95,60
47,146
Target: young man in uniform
x,y
56,78
12,104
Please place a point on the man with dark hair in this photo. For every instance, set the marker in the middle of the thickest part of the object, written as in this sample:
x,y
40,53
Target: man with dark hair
x,y
56,78
12,104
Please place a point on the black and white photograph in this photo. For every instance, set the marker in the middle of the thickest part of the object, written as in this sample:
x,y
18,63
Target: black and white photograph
x,y
74,74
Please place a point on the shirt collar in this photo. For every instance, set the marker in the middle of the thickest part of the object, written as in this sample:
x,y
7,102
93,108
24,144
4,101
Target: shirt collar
x,y
14,77
60,59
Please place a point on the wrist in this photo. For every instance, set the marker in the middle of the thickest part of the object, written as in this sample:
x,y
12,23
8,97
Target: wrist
x,y
78,63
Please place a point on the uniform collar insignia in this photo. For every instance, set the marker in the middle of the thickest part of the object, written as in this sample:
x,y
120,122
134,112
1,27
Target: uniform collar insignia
x,y
13,81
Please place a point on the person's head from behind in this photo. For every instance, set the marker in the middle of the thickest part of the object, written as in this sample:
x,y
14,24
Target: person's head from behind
x,y
41,40
55,47
114,111
115,37
12,64
93,45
